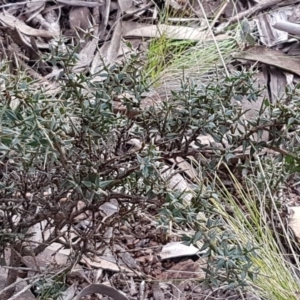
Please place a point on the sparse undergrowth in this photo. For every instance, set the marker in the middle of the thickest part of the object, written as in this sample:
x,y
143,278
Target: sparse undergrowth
x,y
61,149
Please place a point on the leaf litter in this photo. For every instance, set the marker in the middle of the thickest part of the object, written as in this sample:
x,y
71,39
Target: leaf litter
x,y
133,268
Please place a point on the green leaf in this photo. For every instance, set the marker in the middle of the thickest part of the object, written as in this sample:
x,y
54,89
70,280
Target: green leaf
x,y
4,147
105,184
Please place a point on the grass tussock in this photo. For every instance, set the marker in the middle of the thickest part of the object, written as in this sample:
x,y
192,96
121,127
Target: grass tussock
x,y
276,279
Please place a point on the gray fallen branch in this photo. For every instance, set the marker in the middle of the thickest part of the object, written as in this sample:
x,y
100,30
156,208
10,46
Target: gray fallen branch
x,y
288,27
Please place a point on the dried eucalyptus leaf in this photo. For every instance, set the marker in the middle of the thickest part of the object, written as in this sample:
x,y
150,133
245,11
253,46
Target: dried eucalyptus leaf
x,y
125,4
